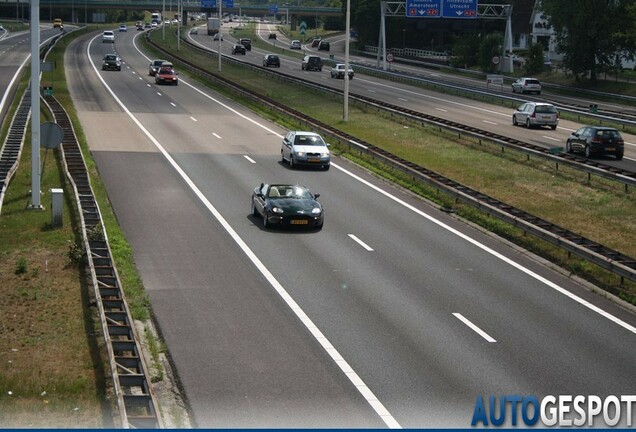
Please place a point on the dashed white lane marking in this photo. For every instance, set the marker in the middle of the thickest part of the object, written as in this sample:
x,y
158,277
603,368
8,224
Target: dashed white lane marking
x,y
360,242
249,159
476,329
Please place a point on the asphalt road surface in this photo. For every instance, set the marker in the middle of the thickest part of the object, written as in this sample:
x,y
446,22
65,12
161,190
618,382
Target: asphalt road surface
x,y
395,314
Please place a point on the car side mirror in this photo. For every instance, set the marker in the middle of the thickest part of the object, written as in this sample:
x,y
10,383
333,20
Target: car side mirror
x,y
328,145
316,195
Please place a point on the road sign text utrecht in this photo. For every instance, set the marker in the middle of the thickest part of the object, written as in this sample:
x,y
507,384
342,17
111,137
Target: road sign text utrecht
x,y
441,8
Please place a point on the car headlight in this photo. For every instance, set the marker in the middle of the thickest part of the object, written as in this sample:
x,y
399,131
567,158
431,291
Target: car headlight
x,y
277,210
301,154
316,210
325,154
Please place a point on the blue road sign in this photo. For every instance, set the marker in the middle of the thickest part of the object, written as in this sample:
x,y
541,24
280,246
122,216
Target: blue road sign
x,y
273,9
228,3
208,3
441,8
459,9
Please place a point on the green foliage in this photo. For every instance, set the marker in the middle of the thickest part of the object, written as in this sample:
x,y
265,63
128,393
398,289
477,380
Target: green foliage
x,y
535,60
465,51
21,266
592,35
490,47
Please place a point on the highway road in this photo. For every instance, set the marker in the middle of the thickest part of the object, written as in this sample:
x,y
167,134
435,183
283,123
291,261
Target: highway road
x,y
394,315
497,119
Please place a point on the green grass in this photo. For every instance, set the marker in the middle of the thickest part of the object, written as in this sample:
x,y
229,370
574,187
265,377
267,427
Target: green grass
x,y
599,209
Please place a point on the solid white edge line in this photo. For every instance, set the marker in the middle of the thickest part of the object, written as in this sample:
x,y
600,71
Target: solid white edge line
x,y
249,159
216,135
320,338
360,242
494,253
476,329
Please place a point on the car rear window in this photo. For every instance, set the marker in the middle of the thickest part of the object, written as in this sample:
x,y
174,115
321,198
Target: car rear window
x,y
533,82
608,133
545,109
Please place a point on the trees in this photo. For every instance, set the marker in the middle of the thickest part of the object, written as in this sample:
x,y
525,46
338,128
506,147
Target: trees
x,y
590,33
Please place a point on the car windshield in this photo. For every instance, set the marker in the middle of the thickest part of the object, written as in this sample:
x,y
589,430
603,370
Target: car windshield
x,y
110,57
286,191
309,140
166,71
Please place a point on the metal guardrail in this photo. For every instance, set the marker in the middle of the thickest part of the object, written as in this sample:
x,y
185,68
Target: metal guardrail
x,y
136,404
604,257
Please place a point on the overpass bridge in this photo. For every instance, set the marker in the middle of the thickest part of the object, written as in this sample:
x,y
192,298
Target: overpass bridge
x,y
19,7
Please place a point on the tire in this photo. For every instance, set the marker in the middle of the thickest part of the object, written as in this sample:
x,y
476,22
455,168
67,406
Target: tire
x,y
291,162
588,152
326,167
528,125
265,223
568,147
619,156
553,127
253,209
514,121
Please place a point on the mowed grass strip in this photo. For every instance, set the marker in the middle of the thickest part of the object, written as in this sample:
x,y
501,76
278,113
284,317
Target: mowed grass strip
x,y
600,210
50,371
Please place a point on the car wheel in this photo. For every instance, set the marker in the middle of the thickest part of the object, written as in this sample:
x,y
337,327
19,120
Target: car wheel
x,y
553,127
588,152
265,223
528,125
619,156
282,156
326,167
568,146
514,120
291,161
253,209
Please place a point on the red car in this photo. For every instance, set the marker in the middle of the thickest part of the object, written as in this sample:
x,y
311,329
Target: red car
x,y
166,76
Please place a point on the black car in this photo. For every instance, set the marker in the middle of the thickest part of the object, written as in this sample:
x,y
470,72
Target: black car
x,y
271,60
596,140
287,205
238,49
111,62
271,36
247,43
324,46
312,62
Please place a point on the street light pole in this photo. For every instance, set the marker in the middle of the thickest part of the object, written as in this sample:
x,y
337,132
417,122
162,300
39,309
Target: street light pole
x,y
220,34
345,112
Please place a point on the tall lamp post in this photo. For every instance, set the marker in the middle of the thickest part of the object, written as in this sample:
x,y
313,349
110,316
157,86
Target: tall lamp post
x,y
220,34
345,111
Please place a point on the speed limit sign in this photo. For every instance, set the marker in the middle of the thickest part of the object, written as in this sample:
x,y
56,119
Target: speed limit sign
x,y
389,57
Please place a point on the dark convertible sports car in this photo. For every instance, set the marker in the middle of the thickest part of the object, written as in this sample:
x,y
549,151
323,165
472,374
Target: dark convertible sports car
x,y
287,205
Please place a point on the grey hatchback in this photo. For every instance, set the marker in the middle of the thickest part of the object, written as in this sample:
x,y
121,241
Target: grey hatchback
x,y
533,114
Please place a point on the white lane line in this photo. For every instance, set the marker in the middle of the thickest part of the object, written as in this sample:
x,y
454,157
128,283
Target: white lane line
x,y
216,135
360,242
552,138
403,100
372,91
159,94
490,122
441,109
477,330
249,159
173,104
193,119
492,252
148,84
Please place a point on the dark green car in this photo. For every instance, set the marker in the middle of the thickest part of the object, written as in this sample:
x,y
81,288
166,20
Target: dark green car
x,y
287,205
